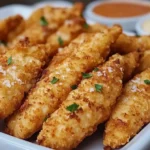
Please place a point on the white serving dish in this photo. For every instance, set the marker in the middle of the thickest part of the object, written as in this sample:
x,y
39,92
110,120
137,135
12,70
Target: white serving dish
x,y
127,23
139,28
94,142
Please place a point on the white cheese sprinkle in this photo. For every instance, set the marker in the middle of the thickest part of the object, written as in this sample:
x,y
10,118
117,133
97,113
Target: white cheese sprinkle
x,y
110,69
68,69
60,49
134,88
67,22
121,69
136,80
14,67
60,83
2,71
92,89
99,73
7,83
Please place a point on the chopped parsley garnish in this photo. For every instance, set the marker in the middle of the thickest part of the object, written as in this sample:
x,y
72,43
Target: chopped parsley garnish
x,y
98,87
96,69
73,107
74,87
9,61
43,21
85,25
45,119
147,81
60,41
3,43
86,75
54,80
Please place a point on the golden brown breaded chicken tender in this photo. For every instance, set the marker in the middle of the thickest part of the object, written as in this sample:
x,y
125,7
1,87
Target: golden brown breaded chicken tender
x,y
63,53
53,89
20,67
9,29
66,30
9,25
144,61
86,107
131,113
55,14
126,44
46,23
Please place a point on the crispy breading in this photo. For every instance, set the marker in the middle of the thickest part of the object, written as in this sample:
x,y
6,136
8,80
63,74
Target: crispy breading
x,y
20,67
66,33
144,42
54,18
67,51
9,29
96,28
8,25
46,97
55,14
131,112
131,63
63,53
144,61
126,44
66,30
94,106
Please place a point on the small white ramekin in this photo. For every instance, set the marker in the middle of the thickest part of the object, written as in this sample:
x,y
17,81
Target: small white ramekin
x,y
128,23
139,29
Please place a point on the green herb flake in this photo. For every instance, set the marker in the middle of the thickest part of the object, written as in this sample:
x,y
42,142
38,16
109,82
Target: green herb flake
x,y
73,107
74,87
96,69
45,119
43,21
3,43
9,61
60,41
147,81
85,25
54,80
86,75
98,87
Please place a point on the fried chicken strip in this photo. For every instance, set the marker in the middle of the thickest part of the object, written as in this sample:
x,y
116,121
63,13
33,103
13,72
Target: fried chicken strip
x,y
55,14
63,53
9,29
67,30
131,112
53,89
126,44
144,61
94,100
45,22
19,69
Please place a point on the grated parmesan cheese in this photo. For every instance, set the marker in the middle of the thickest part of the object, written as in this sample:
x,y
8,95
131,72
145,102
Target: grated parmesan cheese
x,y
99,73
92,89
2,71
6,83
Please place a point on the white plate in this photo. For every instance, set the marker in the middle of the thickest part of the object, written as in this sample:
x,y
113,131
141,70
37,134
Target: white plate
x,y
94,142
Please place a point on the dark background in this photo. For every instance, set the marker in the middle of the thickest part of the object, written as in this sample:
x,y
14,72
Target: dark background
x,y
29,2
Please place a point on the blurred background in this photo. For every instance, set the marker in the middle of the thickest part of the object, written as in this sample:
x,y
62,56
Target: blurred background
x,y
28,2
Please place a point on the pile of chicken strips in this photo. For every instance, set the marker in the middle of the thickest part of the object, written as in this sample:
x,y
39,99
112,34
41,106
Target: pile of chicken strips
x,y
61,77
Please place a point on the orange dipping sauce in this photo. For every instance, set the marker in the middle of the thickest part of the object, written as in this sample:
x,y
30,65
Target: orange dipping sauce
x,y
119,10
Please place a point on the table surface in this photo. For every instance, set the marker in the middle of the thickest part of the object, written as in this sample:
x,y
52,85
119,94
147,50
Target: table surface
x,y
28,2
